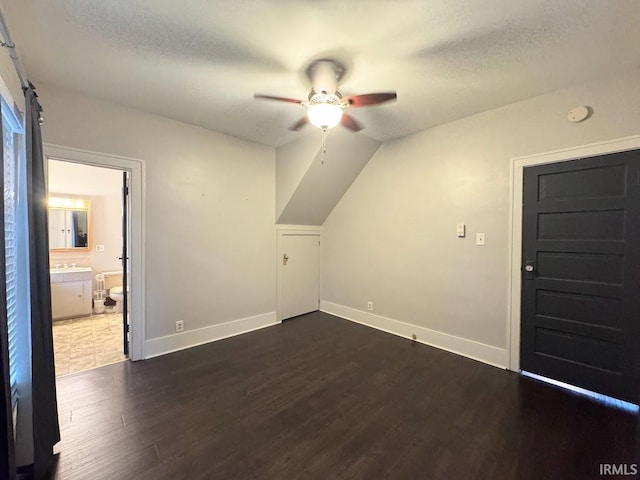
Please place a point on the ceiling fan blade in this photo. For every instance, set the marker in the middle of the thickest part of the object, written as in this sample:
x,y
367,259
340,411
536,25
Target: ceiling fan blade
x,y
349,122
370,99
278,99
299,124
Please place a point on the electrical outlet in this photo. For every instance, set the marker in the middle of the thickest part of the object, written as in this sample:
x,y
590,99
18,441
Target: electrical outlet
x,y
180,326
99,248
370,306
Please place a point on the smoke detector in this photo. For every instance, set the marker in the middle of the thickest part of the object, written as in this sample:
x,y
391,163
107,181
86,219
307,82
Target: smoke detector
x,y
578,114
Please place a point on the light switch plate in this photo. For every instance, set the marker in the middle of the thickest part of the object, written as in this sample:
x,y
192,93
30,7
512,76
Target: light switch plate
x,y
460,230
479,238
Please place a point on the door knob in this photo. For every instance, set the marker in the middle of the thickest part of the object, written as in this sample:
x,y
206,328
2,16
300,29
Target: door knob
x,y
285,259
529,267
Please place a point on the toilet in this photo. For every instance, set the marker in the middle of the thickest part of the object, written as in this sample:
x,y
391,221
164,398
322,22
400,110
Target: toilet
x,y
116,294
113,284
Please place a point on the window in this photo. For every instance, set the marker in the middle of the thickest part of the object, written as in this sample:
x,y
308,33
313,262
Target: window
x,y
11,143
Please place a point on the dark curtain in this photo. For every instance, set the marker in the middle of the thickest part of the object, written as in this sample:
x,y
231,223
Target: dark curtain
x,y
7,448
638,447
46,431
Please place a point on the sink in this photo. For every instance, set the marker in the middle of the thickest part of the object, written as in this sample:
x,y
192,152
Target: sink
x,y
55,271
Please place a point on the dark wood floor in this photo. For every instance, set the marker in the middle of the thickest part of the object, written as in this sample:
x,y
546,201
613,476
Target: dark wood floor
x,y
319,397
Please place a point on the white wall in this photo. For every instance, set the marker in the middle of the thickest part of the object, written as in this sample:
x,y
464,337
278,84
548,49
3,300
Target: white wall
x,y
10,85
103,188
392,238
209,209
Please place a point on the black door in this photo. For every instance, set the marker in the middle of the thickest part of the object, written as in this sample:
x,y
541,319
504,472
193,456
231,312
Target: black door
x,y
580,273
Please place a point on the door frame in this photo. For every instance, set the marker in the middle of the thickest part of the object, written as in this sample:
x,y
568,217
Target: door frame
x,y
284,230
515,223
135,167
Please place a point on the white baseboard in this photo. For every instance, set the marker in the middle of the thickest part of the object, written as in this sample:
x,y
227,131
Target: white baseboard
x,y
462,346
192,338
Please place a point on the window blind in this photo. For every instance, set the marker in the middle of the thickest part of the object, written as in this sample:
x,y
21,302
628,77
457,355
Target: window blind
x,y
9,160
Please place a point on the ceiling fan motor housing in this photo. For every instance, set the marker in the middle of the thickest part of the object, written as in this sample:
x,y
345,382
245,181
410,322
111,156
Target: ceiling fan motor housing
x,y
325,76
317,98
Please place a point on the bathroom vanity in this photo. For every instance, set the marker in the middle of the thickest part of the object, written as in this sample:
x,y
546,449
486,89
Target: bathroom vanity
x,y
71,292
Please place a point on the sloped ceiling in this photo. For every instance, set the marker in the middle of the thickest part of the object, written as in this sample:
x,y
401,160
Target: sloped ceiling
x,y
325,179
200,61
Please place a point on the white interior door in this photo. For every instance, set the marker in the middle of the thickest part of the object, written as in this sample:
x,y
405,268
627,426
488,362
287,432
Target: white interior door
x,y
300,274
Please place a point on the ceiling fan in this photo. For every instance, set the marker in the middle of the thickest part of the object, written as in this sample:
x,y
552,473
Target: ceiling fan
x,y
325,104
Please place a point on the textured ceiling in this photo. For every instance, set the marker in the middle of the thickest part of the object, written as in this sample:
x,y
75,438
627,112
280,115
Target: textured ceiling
x,y
201,61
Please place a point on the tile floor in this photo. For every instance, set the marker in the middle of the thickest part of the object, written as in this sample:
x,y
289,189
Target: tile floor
x,y
87,342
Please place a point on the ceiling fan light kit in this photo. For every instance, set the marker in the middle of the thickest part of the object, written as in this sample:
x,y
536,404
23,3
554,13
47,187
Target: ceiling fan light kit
x,y
324,116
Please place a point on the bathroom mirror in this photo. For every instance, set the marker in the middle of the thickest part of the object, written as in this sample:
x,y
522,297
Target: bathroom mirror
x,y
69,223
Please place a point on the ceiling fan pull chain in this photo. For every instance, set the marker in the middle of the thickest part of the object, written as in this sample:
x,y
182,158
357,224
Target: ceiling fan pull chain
x,y
324,144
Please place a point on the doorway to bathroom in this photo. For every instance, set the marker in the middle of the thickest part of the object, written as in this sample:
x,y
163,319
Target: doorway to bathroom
x,y
135,232
87,241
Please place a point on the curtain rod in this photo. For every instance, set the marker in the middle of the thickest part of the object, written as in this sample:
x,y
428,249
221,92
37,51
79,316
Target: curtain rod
x,y
8,43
